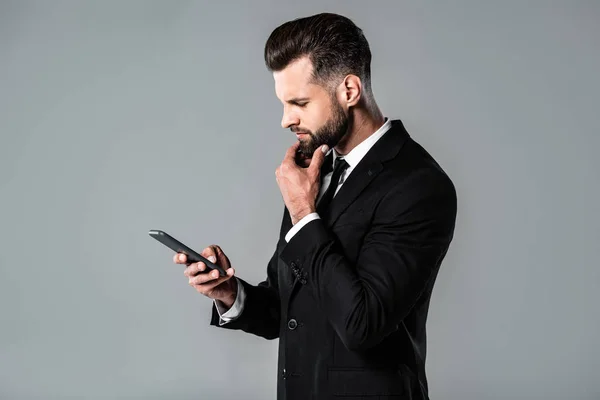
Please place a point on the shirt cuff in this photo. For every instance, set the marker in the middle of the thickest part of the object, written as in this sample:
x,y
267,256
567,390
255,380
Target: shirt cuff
x,y
300,224
236,309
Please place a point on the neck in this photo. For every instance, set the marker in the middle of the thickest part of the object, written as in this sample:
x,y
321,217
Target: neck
x,y
365,122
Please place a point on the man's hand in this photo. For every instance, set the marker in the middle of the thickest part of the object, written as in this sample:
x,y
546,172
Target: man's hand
x,y
300,186
209,283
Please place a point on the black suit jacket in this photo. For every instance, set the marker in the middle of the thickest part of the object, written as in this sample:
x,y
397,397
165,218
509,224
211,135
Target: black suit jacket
x,y
348,296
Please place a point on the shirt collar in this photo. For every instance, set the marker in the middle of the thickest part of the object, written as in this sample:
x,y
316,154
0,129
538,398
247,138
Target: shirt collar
x,y
357,153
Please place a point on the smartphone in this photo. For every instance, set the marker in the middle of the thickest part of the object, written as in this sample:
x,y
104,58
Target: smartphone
x,y
178,247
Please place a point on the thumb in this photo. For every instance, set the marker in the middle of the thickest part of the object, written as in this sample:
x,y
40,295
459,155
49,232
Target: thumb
x,y
318,158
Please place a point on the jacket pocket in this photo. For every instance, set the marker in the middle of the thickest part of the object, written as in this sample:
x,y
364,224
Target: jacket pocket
x,y
362,382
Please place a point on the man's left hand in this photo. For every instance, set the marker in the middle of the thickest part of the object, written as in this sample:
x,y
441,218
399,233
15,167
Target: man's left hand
x,y
300,186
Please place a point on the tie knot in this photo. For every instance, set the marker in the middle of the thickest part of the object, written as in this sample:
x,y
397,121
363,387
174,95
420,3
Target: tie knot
x,y
340,164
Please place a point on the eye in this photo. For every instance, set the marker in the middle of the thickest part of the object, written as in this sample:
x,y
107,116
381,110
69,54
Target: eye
x,y
303,104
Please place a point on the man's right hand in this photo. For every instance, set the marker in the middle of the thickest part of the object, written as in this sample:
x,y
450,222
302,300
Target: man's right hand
x,y
209,283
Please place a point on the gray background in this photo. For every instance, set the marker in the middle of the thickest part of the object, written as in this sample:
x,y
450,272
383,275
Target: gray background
x,y
120,117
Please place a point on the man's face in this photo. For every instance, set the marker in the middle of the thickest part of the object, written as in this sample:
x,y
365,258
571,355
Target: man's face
x,y
309,110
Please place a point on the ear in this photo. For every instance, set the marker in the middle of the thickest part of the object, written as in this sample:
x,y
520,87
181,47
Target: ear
x,y
350,91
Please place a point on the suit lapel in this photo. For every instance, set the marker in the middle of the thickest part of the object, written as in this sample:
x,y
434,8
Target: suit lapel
x,y
386,148
367,170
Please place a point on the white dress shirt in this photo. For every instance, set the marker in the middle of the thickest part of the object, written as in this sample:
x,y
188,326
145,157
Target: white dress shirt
x,y
352,158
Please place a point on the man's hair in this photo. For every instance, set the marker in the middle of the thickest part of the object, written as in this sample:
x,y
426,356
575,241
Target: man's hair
x,y
334,44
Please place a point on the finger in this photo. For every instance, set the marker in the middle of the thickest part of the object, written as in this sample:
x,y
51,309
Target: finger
x,y
209,285
179,258
194,269
210,253
290,154
318,158
222,259
302,159
201,267
306,162
202,279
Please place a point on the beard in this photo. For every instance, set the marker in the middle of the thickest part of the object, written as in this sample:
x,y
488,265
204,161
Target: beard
x,y
330,133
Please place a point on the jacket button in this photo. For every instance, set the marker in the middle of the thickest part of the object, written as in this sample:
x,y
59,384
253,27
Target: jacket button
x,y
292,324
283,374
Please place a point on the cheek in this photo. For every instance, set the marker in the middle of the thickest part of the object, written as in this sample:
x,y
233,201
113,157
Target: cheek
x,y
316,117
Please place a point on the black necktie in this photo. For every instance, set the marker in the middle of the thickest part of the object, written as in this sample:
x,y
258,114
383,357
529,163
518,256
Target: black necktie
x,y
340,166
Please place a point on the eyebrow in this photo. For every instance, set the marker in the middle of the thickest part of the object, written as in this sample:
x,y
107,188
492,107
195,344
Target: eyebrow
x,y
297,100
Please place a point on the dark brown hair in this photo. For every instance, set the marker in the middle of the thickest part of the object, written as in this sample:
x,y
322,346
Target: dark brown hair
x,y
334,44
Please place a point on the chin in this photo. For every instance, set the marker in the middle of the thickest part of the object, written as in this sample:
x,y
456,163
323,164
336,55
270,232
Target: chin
x,y
305,148
306,153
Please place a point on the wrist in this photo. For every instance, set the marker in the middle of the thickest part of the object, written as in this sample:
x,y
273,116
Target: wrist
x,y
229,299
298,216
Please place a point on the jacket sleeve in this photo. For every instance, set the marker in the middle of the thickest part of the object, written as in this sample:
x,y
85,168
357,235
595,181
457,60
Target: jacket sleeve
x,y
364,301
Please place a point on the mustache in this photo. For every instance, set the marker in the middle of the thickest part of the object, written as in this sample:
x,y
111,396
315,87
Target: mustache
x,y
295,129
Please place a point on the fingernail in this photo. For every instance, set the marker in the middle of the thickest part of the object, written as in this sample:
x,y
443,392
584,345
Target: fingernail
x,y
324,148
215,274
212,259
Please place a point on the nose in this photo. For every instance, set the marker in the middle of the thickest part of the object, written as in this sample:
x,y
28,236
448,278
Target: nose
x,y
289,119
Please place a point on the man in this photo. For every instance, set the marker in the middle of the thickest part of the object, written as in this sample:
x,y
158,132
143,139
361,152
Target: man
x,y
364,230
